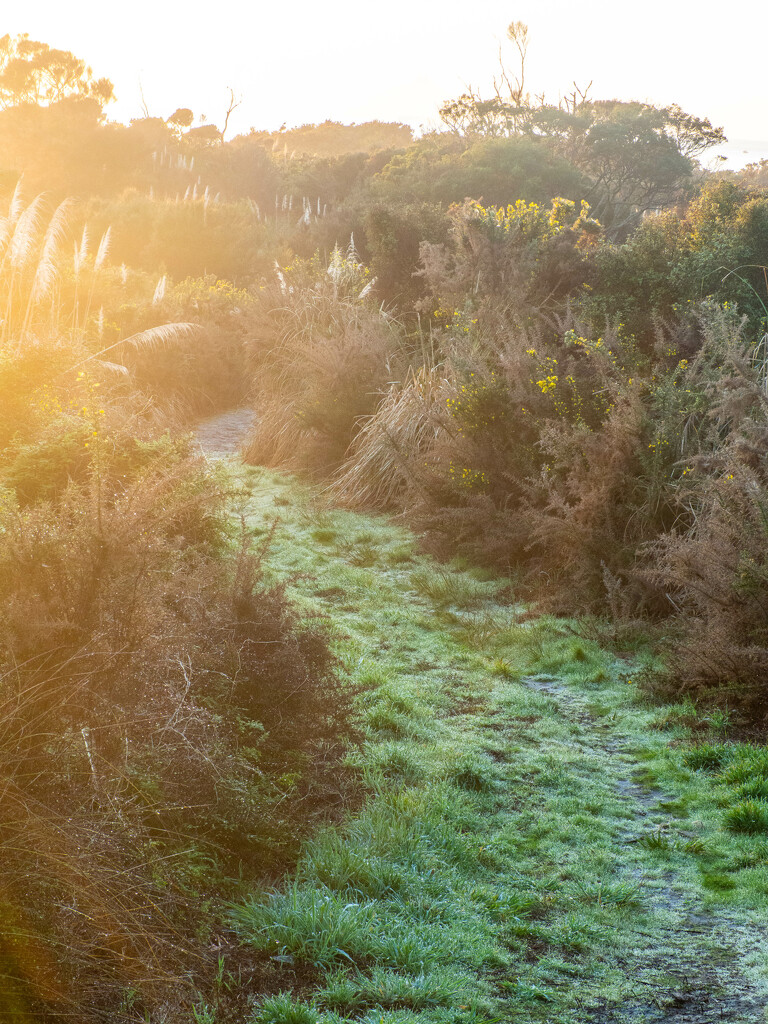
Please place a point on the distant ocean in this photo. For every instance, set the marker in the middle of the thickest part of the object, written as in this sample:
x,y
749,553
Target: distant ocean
x,y
739,153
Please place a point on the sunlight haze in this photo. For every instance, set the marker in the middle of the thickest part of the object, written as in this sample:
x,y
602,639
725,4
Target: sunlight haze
x,y
306,62
383,512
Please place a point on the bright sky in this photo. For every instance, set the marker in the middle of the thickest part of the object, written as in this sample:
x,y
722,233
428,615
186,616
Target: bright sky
x,y
300,61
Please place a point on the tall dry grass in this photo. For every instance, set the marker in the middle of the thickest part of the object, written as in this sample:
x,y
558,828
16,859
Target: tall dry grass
x,y
385,462
321,356
155,696
153,746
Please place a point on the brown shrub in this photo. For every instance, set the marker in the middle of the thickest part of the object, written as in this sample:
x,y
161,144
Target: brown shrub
x,y
716,573
168,721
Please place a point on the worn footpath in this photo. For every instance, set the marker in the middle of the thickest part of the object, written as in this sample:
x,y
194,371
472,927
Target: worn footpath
x,y
534,842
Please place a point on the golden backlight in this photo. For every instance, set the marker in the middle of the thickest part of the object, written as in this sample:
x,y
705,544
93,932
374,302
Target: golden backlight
x,y
350,61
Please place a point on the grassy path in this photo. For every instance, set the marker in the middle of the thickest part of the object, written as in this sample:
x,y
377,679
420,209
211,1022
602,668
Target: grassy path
x,y
535,844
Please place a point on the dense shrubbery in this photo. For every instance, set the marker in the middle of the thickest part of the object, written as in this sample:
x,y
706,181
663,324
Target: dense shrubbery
x,y
166,712
573,394
575,413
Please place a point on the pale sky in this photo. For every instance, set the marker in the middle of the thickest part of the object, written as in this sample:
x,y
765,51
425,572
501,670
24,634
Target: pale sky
x,y
300,61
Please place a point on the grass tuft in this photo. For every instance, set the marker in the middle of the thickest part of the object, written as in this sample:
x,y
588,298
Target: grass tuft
x,y
748,817
447,588
708,757
314,925
284,1009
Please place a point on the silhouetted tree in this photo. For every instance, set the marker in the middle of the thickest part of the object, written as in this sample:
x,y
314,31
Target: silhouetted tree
x,y
33,72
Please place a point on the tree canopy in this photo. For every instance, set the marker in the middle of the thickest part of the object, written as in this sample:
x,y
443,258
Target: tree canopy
x,y
33,72
638,156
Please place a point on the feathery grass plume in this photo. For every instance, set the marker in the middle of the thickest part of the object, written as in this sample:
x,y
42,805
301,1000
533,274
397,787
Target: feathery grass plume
x,y
114,368
368,289
159,294
103,250
25,233
30,261
16,204
153,337
82,250
6,229
160,335
46,270
281,278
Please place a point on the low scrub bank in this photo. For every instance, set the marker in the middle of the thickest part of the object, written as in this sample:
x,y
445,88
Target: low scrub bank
x,y
171,724
599,466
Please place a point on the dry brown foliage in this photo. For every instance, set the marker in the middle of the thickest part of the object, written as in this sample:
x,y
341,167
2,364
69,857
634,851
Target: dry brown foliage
x,y
716,573
155,694
320,362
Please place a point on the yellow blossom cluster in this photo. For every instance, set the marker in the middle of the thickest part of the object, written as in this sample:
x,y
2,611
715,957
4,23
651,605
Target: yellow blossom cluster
x,y
466,477
467,406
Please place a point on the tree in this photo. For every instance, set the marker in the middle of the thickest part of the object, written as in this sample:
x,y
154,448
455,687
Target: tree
x,y
637,156
33,72
181,118
233,105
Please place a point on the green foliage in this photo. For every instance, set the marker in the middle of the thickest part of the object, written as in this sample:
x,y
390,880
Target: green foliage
x,y
441,169
637,157
668,265
284,1009
334,139
748,816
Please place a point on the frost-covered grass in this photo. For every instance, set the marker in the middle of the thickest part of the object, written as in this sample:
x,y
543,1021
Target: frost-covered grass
x,y
532,824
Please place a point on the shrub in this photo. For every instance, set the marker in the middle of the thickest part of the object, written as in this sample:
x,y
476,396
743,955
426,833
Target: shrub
x,y
149,732
716,571
204,371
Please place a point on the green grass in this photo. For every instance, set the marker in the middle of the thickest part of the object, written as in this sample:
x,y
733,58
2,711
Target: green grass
x,y
531,820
